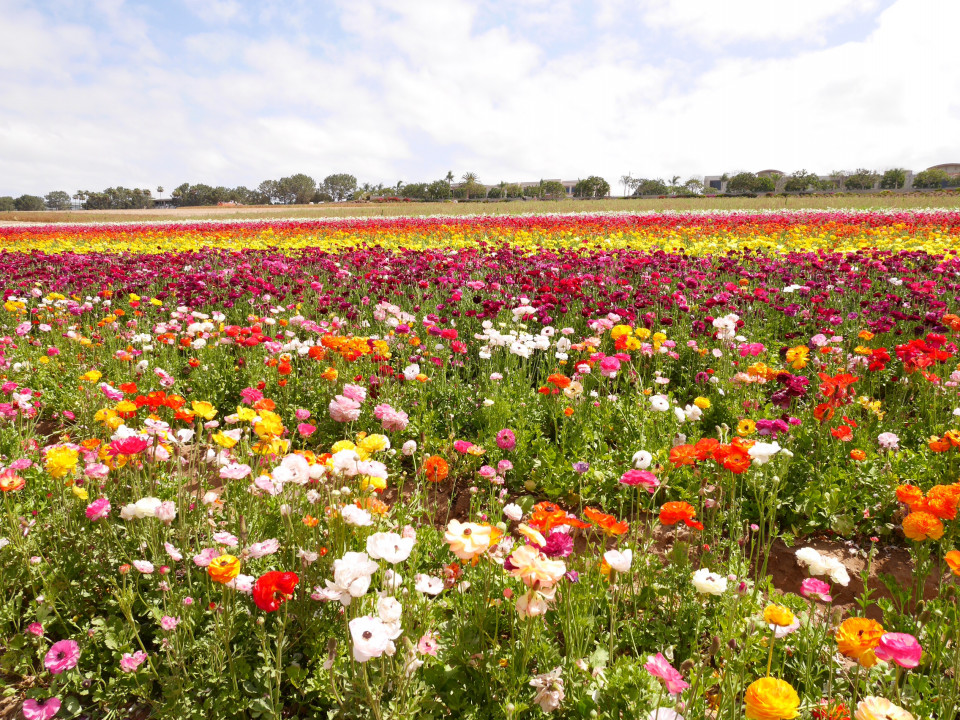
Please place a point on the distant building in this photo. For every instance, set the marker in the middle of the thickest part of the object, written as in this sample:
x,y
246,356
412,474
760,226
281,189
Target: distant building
x,y
951,169
568,185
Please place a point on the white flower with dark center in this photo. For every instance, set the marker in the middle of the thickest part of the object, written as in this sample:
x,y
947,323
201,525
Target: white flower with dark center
x,y
389,546
709,583
371,638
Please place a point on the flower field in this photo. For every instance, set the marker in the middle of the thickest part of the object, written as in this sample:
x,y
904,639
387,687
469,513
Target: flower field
x,y
483,466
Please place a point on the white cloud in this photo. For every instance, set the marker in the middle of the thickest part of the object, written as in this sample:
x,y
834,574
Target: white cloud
x,y
415,89
721,22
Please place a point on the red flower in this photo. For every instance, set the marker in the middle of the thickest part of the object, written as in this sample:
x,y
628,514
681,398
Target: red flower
x,y
274,588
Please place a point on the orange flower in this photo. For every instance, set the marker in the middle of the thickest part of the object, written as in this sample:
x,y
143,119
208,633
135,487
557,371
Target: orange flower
x,y
223,569
310,521
823,412
264,404
547,516
705,448
683,455
953,437
942,501
568,411
951,321
953,561
858,455
857,637
736,460
561,381
910,495
10,481
939,445
607,523
673,512
844,433
922,526
436,469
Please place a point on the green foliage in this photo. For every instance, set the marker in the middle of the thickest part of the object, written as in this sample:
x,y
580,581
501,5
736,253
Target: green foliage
x,y
28,203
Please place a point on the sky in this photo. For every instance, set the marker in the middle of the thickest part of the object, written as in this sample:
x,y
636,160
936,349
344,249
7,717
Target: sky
x,y
99,93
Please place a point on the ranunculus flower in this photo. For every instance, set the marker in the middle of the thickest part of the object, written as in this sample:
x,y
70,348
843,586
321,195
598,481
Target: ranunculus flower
x,y
40,709
371,638
771,699
673,681
130,662
274,588
223,568
506,439
643,478
814,589
98,509
389,546
709,583
901,648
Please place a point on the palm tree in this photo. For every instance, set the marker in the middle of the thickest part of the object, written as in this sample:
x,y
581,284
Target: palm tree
x,y
626,181
160,191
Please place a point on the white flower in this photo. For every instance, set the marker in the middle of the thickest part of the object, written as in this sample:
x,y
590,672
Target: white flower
x,y
389,546
351,578
427,584
409,448
242,584
642,459
660,403
549,690
692,413
818,564
298,469
709,583
390,611
146,507
664,713
307,557
371,638
888,441
513,511
619,561
410,372
762,452
358,517
392,580
345,462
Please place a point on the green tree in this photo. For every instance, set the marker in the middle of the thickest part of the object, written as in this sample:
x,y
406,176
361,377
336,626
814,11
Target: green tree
x,y
7,204
934,178
512,190
893,179
297,189
269,192
553,190
57,200
801,181
439,190
340,186
470,186
414,191
643,186
593,186
862,180
748,182
694,186
28,203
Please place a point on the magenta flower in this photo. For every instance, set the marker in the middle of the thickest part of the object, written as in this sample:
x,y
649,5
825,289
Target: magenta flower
x,y
462,446
902,648
40,709
814,589
61,656
558,545
306,429
506,440
98,509
644,478
130,662
35,628
658,666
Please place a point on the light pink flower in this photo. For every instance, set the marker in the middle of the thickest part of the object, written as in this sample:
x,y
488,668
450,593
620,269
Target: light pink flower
x,y
130,662
302,414
658,666
174,554
355,393
902,648
226,539
234,471
344,409
205,557
427,645
62,655
169,623
262,549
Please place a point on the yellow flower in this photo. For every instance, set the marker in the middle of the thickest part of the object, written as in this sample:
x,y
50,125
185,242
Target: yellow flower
x,y
224,441
375,443
642,333
746,428
204,409
798,356
342,445
125,406
778,615
620,330
92,376
61,461
270,425
246,414
223,569
531,534
771,699
80,493
702,403
857,638
377,483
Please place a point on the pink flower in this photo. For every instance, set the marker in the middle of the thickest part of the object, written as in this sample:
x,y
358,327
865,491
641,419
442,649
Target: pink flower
x,y
609,367
262,549
355,393
306,429
111,392
144,566
172,551
814,589
205,557
901,648
658,666
96,470
35,628
169,623
130,663
462,446
251,395
62,655
427,645
506,440
302,414
234,471
98,509
344,409
644,478
40,710
393,420
504,466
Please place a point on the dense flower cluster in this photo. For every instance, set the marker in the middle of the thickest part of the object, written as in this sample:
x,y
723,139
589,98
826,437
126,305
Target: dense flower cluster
x,y
440,464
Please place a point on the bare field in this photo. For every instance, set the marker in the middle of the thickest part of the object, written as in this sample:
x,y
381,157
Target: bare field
x,y
927,200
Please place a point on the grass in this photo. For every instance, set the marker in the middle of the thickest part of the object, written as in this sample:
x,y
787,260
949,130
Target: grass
x,y
907,200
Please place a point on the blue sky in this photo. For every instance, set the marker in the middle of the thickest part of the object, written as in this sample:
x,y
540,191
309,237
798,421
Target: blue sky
x,y
228,92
